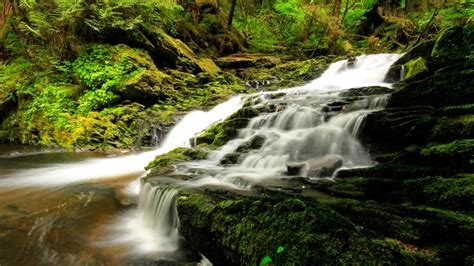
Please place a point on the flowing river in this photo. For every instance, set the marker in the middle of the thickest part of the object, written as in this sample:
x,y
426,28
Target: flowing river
x,y
89,208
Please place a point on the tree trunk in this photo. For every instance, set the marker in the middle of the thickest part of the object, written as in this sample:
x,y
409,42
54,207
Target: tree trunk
x,y
231,14
7,9
409,5
337,8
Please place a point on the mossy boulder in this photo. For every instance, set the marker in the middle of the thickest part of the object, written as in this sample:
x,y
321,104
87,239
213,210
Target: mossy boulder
x,y
455,44
286,229
165,163
448,86
147,85
415,67
177,52
221,133
422,50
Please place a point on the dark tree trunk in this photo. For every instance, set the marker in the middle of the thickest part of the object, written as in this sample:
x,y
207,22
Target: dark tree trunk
x,y
337,8
7,9
231,14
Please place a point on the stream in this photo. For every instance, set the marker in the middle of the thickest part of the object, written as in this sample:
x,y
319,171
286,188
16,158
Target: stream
x,y
70,208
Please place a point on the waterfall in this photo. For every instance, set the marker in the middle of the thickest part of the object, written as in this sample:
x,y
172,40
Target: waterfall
x,y
311,125
157,211
402,73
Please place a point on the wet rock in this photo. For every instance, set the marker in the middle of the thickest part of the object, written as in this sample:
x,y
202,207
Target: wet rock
x,y
230,158
366,91
295,168
394,127
324,166
421,50
221,133
254,143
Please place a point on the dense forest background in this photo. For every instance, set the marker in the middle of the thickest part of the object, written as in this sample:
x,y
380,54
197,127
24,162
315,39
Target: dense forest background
x,y
107,73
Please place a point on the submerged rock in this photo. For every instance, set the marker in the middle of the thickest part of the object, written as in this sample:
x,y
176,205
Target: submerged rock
x,y
230,158
254,143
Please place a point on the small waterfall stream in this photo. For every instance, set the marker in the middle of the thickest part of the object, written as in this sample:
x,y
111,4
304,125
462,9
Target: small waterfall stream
x,y
309,125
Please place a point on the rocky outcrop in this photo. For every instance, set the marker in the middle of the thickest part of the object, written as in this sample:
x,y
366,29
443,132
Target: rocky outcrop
x,y
228,129
288,229
247,60
254,143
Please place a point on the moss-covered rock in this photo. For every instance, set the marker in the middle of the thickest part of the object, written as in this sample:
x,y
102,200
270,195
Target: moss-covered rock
x,y
448,86
221,133
455,44
164,163
451,128
246,60
288,229
455,193
415,67
422,50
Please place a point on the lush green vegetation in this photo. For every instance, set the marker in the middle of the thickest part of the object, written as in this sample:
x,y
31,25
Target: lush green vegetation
x,y
106,74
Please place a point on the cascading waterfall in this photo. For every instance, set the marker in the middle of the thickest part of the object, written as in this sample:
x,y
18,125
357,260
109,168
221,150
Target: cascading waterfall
x,y
303,129
300,130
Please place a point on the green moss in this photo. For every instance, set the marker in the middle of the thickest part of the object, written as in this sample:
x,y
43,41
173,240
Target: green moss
x,y
449,193
462,147
221,133
449,129
415,67
453,45
245,231
164,163
457,110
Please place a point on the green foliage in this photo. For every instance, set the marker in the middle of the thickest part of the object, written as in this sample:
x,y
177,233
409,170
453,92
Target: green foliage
x,y
59,23
98,67
355,15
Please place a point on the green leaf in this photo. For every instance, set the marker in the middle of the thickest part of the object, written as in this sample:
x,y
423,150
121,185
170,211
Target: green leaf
x,y
280,249
266,260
